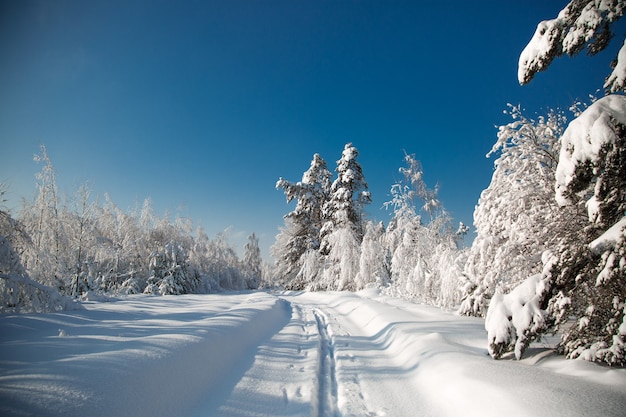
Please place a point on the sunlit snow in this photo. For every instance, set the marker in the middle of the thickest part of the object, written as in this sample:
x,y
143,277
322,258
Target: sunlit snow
x,y
283,354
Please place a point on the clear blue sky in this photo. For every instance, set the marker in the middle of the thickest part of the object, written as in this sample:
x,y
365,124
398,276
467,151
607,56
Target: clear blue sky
x,y
203,105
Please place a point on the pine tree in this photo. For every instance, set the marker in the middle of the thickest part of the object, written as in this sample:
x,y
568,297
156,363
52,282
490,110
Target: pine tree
x,y
344,226
301,234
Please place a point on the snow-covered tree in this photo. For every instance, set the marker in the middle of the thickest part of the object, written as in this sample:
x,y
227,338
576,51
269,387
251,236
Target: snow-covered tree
x,y
592,169
374,262
584,279
224,265
18,292
42,220
121,253
348,197
341,264
81,230
344,225
425,262
516,218
252,262
301,233
169,272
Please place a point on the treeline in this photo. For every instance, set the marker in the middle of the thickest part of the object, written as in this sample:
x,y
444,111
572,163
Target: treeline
x,y
78,247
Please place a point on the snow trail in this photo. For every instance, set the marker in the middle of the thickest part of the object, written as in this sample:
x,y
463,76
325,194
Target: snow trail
x,y
280,380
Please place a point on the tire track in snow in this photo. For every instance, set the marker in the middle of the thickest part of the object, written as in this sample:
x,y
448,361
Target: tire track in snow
x,y
326,374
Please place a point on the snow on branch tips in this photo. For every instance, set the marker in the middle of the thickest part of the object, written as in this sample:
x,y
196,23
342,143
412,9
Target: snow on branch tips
x,y
616,81
582,23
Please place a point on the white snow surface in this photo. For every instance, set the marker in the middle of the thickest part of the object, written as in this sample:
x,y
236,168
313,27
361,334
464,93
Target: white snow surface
x,y
282,354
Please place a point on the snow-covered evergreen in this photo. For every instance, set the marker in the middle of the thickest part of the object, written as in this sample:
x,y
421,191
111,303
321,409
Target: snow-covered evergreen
x,y
582,291
301,234
344,222
319,247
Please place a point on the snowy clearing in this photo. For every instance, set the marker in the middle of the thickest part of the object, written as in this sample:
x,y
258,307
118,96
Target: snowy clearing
x,y
292,354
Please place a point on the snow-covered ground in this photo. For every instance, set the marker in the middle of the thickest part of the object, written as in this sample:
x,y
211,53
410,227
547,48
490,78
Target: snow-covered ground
x,y
295,354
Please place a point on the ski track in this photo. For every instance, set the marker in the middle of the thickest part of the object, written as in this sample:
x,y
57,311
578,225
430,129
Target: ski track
x,y
326,372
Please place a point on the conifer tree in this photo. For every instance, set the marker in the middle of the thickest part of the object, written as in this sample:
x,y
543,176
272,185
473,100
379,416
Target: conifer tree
x,y
301,234
344,226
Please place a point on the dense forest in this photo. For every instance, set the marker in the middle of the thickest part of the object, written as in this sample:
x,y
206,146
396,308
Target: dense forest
x,y
549,253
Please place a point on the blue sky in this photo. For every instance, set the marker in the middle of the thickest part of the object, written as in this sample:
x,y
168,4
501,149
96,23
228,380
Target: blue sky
x,y
202,106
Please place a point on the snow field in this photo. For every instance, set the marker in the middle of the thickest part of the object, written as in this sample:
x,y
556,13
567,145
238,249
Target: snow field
x,y
290,354
145,356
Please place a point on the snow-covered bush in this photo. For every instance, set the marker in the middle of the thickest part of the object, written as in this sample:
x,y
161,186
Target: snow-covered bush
x,y
515,319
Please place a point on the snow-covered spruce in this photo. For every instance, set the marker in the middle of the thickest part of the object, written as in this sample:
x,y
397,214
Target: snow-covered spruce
x,y
301,234
319,246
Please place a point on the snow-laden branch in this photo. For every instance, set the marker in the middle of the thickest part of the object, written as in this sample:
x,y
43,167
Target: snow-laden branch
x,y
584,140
582,23
616,81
